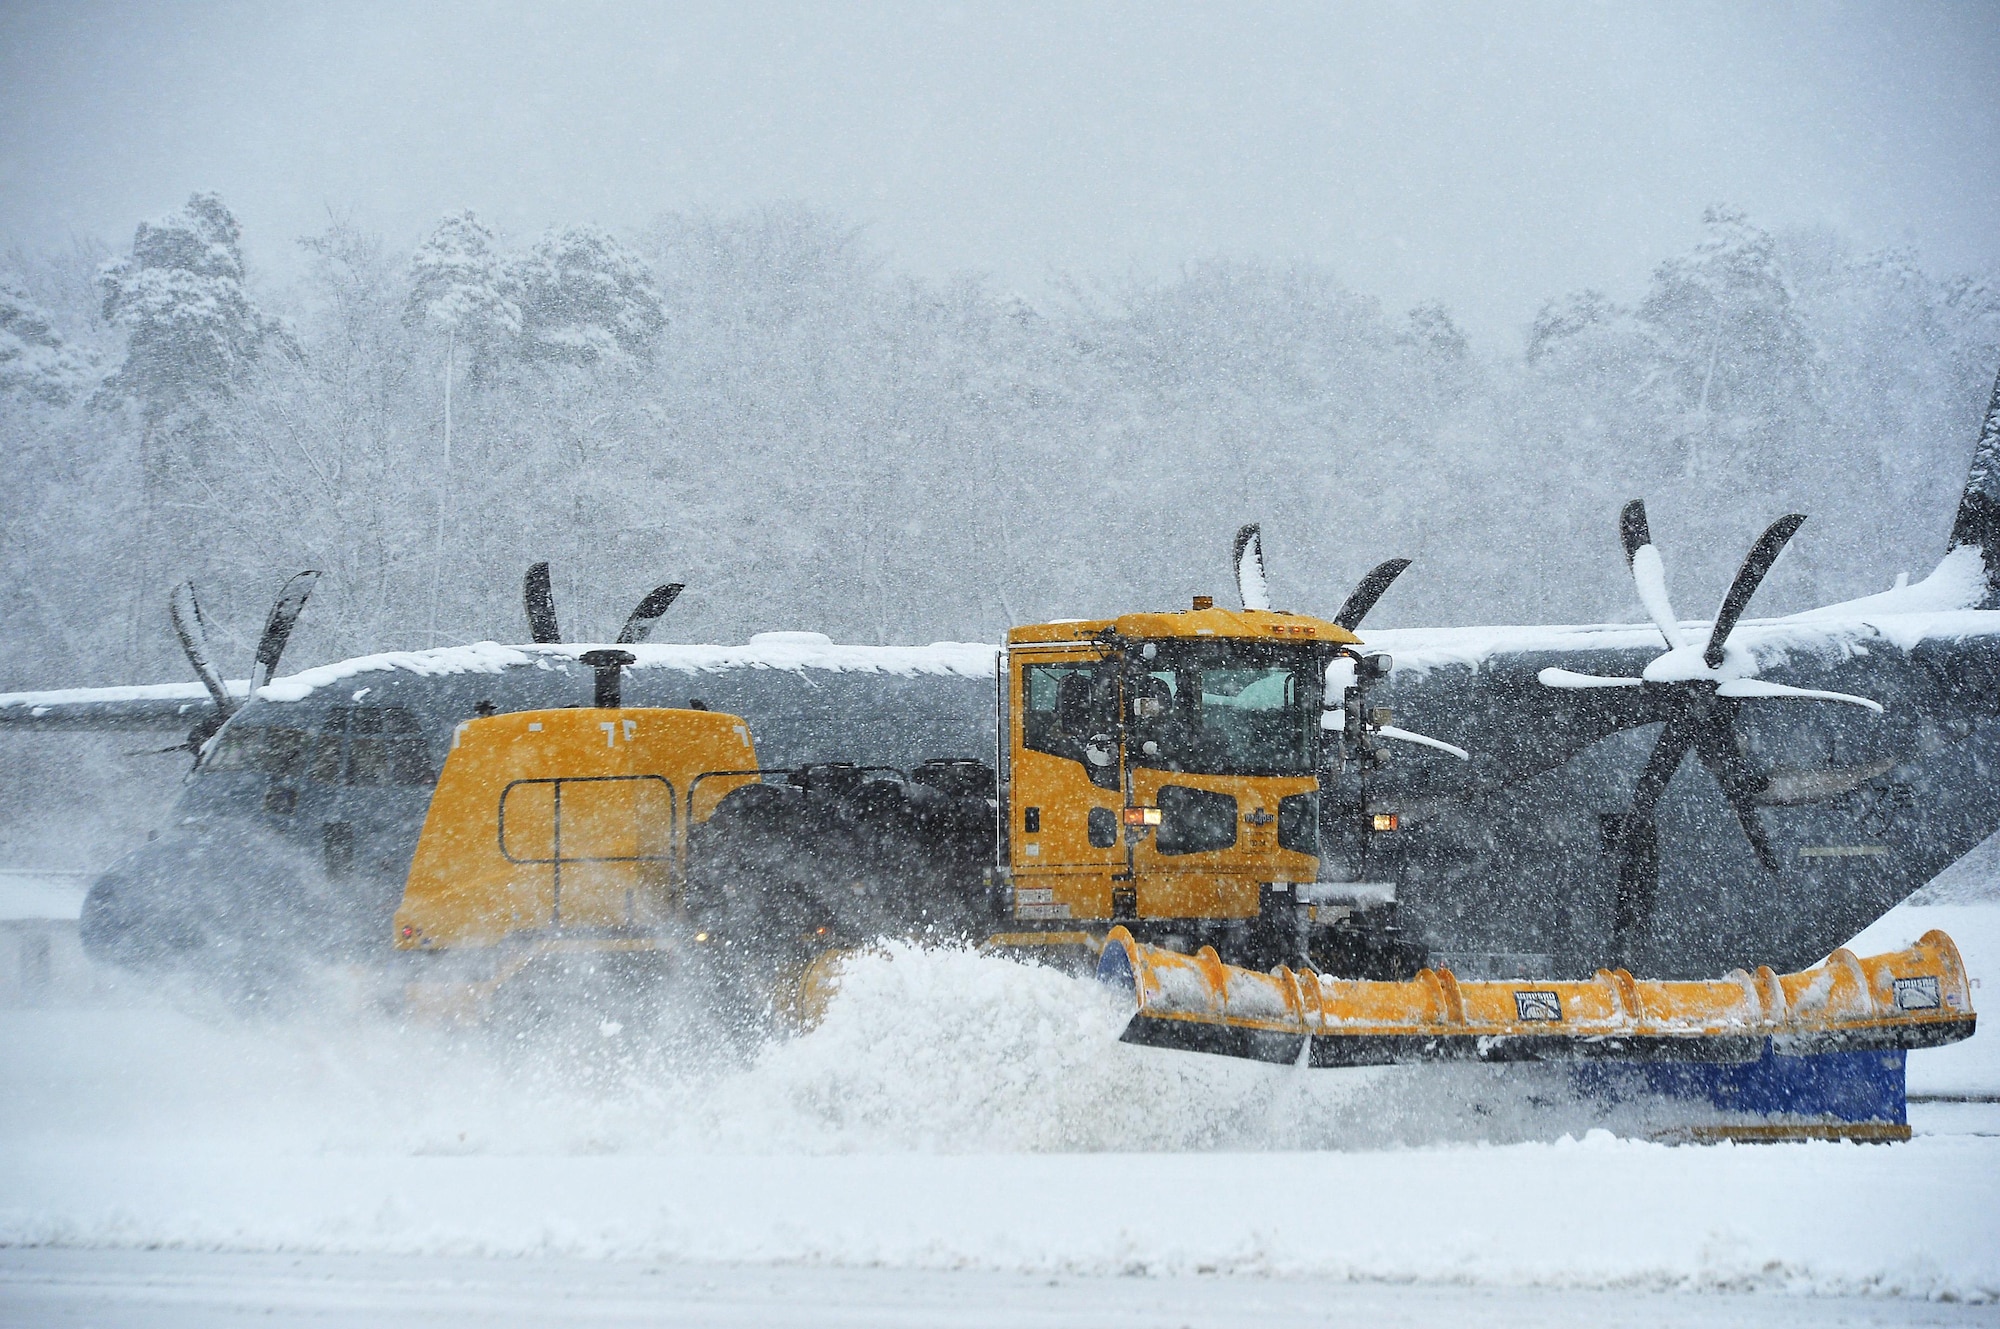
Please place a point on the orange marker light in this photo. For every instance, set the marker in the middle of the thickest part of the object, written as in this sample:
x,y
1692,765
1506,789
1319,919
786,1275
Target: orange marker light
x,y
1142,816
1387,821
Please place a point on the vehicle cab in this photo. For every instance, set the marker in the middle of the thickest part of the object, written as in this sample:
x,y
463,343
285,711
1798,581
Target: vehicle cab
x,y
1161,769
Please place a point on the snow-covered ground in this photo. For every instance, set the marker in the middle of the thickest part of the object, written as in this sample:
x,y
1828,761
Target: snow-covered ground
x,y
177,1289
962,1141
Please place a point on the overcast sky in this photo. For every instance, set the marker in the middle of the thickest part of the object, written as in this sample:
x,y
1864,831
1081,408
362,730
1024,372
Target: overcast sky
x,y
1484,156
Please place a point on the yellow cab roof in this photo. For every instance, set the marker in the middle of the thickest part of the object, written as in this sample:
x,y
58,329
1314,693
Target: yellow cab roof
x,y
1237,624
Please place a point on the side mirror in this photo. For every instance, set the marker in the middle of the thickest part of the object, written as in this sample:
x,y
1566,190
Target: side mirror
x,y
1379,664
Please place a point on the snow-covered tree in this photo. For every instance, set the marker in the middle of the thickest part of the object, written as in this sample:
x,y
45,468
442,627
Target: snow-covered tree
x,y
194,332
461,285
1729,336
36,361
1560,321
586,298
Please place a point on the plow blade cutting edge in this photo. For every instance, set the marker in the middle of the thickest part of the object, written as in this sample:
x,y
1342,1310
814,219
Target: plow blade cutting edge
x,y
1915,998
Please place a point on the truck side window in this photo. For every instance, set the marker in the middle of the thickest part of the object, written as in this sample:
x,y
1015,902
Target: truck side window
x,y
1061,709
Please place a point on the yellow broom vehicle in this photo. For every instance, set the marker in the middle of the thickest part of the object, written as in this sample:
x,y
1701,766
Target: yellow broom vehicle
x,y
556,835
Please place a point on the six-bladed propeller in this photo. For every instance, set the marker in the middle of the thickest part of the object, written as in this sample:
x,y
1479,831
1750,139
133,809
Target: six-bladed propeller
x,y
1699,689
1351,678
539,600
191,626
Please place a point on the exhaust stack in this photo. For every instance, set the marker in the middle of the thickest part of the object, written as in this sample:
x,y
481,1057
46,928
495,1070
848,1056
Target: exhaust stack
x,y
610,667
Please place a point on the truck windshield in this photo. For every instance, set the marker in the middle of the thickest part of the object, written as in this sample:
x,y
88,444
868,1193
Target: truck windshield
x,y
1226,708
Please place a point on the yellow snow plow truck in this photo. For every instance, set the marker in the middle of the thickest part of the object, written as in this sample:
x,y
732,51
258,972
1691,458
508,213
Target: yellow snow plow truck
x,y
1152,814
1158,771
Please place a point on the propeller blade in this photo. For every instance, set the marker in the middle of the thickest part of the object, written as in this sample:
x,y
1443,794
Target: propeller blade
x,y
278,627
1639,835
1248,558
1638,883
1565,678
541,603
1673,743
1649,574
191,626
1633,532
1738,688
1421,740
640,626
1715,744
1748,577
1378,580
155,752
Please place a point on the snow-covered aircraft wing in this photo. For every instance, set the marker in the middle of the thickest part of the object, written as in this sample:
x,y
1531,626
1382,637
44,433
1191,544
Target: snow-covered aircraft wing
x,y
156,708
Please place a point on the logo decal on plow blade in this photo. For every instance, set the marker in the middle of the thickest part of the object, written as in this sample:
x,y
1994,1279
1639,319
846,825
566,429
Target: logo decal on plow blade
x,y
1917,994
1538,1006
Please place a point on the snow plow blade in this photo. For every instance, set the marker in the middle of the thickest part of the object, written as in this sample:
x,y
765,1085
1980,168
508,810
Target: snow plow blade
x,y
1915,998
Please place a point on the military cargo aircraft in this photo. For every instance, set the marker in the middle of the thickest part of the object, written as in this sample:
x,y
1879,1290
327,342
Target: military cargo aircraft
x,y
1539,815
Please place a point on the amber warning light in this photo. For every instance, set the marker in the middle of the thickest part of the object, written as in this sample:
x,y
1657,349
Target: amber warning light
x,y
1142,816
1387,821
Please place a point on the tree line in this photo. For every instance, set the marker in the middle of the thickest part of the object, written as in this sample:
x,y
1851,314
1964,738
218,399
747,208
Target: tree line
x,y
759,405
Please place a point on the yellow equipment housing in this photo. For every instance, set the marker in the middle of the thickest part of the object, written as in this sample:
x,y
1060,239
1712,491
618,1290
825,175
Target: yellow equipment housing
x,y
1126,829
566,824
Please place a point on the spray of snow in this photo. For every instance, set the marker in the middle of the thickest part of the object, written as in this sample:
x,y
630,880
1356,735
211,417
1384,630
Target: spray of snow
x,y
952,1110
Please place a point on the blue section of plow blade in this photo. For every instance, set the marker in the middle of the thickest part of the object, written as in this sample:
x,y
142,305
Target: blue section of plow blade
x,y
1827,1086
1114,969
